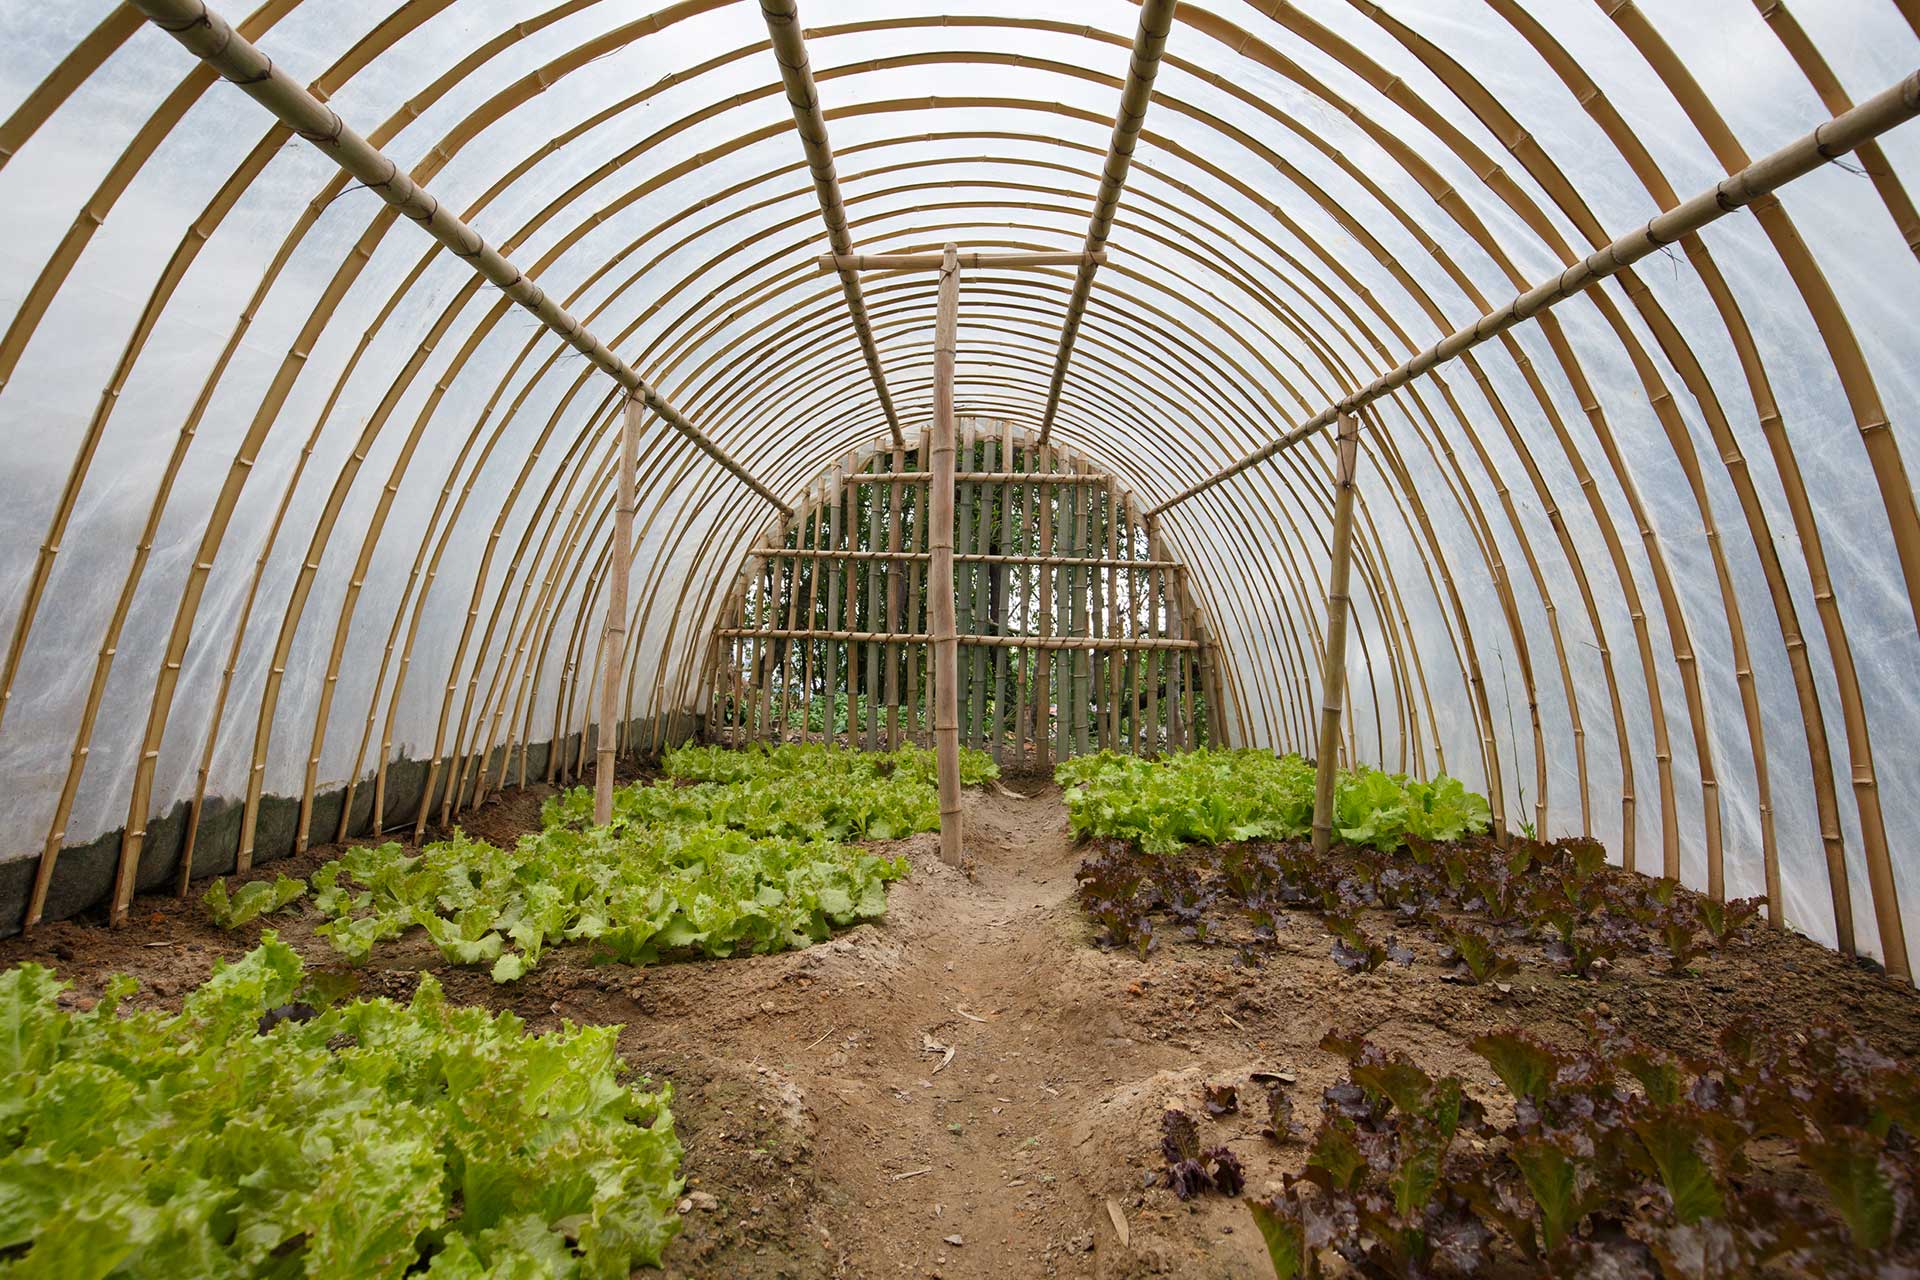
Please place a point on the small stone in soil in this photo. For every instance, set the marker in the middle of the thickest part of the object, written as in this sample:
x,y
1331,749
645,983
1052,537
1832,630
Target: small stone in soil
x,y
955,1241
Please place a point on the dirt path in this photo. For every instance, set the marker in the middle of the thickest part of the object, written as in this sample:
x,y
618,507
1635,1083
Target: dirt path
x,y
990,1162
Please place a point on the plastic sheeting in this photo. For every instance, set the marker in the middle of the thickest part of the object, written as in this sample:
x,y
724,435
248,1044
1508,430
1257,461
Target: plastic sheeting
x,y
1606,565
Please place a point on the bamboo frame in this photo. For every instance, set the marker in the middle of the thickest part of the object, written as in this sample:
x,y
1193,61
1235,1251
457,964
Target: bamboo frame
x,y
845,262
796,71
1090,479
1250,658
945,636
613,644
1886,110
1333,675
1149,42
208,36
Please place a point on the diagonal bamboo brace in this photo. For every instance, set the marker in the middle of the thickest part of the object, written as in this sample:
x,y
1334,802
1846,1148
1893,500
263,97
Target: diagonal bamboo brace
x,y
208,37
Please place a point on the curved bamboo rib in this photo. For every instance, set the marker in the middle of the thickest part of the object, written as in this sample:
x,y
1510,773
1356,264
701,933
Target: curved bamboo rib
x,y
1886,110
737,337
207,36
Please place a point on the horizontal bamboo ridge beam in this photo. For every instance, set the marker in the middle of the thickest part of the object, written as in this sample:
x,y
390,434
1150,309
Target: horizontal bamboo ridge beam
x,y
1112,562
983,477
837,553
976,557
850,262
982,641
208,37
1844,133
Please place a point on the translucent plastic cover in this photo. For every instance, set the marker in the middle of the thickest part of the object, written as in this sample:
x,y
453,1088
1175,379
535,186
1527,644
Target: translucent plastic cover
x,y
292,496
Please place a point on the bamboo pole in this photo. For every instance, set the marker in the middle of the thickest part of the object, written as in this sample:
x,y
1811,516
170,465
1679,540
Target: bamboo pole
x,y
1838,136
961,557
895,589
1079,619
1151,659
1000,590
997,477
1043,675
208,36
1334,674
816,523
964,499
946,648
790,50
850,262
870,665
1025,659
1064,643
979,661
1110,591
920,721
614,642
1149,42
790,656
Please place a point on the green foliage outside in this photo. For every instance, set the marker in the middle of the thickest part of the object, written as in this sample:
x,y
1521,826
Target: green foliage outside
x,y
1222,797
252,1136
753,861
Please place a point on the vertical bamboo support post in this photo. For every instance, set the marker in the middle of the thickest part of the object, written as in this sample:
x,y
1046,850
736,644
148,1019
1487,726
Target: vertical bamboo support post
x,y
614,638
1333,675
946,642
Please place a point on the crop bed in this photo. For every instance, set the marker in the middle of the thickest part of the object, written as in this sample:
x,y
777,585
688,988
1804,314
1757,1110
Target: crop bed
x,y
987,1063
1772,1148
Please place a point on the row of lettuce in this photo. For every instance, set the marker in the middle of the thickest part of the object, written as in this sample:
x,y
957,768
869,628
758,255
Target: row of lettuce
x,y
262,1131
1226,797
279,1126
731,852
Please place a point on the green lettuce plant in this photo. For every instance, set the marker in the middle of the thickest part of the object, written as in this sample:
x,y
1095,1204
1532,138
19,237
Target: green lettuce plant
x,y
249,1135
261,897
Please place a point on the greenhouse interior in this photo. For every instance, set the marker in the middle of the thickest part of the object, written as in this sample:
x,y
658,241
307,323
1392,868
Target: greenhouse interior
x,y
1109,638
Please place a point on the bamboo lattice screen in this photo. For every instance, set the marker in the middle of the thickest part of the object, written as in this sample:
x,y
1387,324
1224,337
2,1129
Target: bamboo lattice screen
x,y
1077,633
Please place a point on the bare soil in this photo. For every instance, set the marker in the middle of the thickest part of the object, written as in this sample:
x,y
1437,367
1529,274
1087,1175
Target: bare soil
x,y
969,1089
